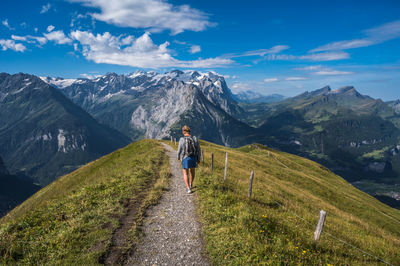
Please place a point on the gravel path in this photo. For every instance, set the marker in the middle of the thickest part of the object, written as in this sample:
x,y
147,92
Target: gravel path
x,y
172,233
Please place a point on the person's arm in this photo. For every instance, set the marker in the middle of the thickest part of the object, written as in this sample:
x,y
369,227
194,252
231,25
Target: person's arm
x,y
199,150
180,147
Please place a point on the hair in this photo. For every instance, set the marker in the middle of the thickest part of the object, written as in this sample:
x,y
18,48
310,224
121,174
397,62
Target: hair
x,y
186,129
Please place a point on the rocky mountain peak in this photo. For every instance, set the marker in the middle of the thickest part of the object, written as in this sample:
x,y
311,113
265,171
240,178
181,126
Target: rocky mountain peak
x,y
19,83
348,91
323,91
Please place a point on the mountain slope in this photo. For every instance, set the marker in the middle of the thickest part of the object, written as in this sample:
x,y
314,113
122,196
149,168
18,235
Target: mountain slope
x,y
43,134
237,231
72,220
354,135
277,225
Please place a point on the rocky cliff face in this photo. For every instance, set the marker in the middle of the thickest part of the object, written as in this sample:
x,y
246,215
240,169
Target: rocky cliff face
x,y
43,134
149,104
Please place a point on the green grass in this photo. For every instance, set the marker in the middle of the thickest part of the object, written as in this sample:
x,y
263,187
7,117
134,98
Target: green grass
x,y
376,154
71,221
261,231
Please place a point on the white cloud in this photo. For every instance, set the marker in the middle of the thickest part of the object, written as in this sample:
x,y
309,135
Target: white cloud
x,y
30,39
308,68
77,20
12,45
89,76
5,24
324,71
195,49
153,15
19,38
140,52
241,86
45,8
374,36
328,56
332,73
50,28
260,52
58,37
270,80
180,42
295,78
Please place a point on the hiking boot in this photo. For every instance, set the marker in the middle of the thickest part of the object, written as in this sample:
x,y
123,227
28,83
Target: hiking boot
x,y
190,186
189,191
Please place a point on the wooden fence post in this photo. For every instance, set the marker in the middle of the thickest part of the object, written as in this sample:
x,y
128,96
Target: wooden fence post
x,y
202,156
226,165
251,184
320,226
212,162
171,139
175,141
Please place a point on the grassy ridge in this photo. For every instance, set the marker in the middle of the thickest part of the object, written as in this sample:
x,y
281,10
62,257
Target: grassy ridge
x,y
71,221
287,189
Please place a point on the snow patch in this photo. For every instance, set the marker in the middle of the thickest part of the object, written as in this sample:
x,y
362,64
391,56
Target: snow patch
x,y
102,87
61,83
109,95
21,89
47,137
3,96
61,141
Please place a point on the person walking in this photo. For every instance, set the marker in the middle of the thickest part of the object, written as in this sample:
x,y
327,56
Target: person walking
x,y
189,153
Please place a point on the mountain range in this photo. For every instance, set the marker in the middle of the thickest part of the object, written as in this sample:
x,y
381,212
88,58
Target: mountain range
x,y
56,124
152,105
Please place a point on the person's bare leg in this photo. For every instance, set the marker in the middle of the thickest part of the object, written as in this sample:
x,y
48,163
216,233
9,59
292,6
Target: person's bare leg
x,y
192,174
185,177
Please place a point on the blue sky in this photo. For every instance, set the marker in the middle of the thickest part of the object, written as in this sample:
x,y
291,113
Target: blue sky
x,y
283,47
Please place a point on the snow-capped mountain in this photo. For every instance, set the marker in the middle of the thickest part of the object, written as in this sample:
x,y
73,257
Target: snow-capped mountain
x,y
149,104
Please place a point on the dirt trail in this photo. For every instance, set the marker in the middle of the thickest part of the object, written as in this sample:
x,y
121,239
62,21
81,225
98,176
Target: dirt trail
x,y
172,233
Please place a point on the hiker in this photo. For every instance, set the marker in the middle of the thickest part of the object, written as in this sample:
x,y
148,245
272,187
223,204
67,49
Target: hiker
x,y
189,154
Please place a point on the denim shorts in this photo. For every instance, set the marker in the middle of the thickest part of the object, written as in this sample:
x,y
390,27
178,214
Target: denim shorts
x,y
189,162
